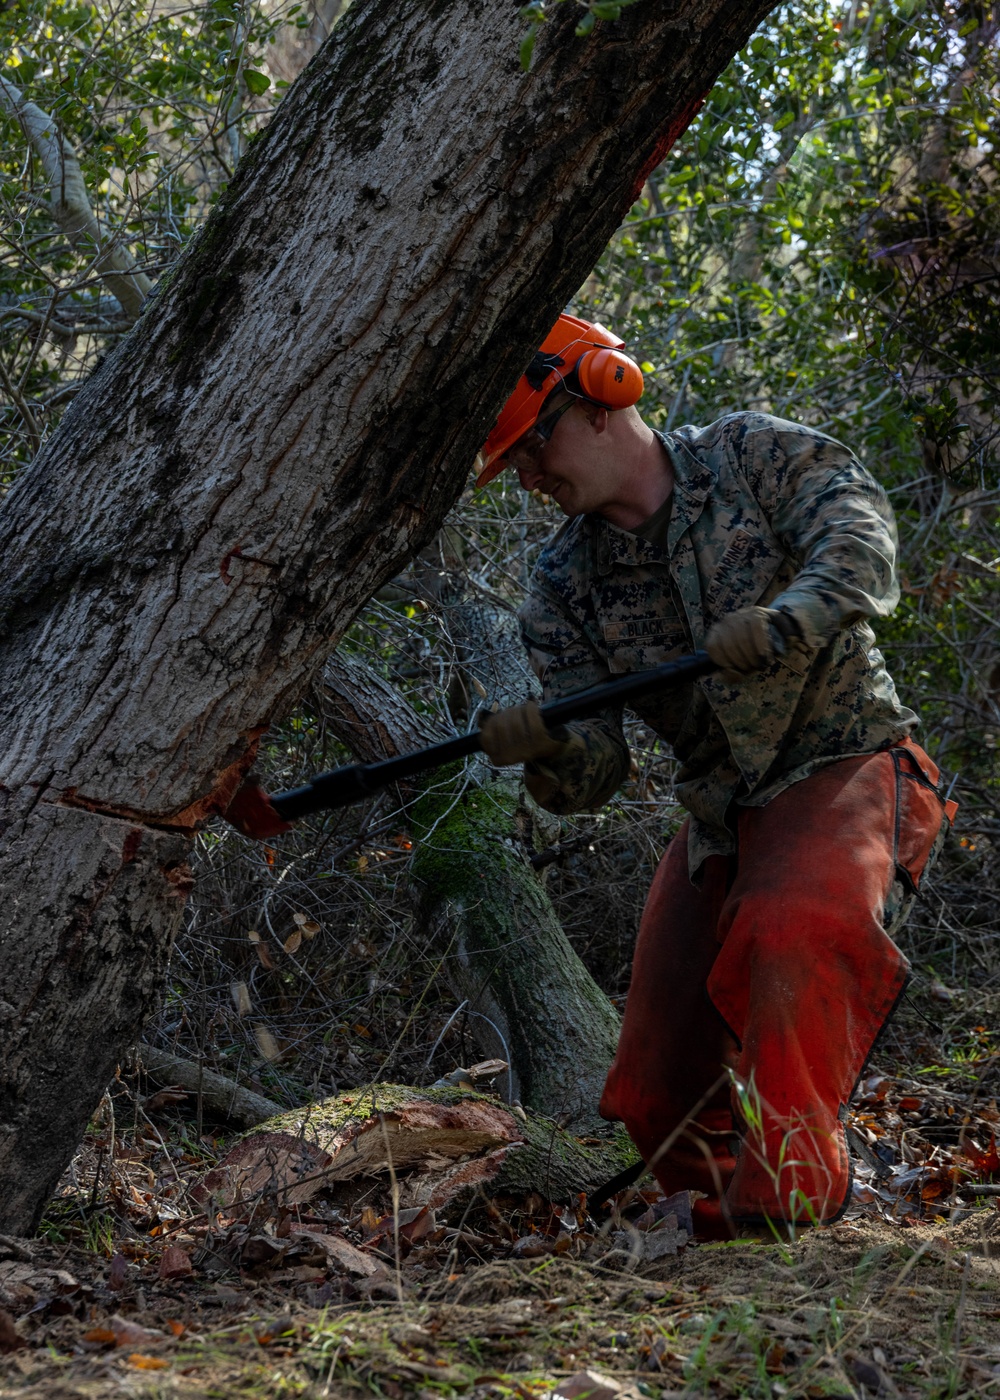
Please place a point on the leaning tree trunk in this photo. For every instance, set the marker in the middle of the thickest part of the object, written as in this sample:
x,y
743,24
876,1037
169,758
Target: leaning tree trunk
x,y
290,418
506,957
509,955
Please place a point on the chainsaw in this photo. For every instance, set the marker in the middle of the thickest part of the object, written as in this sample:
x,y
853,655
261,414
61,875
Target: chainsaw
x,y
342,786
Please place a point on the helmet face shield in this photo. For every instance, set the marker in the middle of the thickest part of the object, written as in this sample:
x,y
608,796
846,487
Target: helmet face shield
x,y
582,358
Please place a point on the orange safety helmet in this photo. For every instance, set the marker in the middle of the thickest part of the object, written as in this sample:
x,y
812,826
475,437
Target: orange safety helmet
x,y
585,359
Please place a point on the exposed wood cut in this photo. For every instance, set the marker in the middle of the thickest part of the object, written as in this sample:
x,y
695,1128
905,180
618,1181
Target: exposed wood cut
x,y
438,1142
438,1147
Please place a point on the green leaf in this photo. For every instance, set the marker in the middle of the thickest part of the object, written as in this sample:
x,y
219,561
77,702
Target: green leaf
x,y
256,82
528,45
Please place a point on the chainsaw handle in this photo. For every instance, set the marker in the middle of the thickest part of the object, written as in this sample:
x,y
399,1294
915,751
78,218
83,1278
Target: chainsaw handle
x,y
342,786
584,703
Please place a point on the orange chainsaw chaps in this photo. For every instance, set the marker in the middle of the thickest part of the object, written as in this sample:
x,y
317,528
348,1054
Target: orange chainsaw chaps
x,y
792,1001
669,1082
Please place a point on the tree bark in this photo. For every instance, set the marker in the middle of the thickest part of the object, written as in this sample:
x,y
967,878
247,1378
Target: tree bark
x,y
287,422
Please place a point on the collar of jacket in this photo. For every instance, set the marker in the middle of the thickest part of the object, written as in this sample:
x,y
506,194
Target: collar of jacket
x,y
693,480
613,547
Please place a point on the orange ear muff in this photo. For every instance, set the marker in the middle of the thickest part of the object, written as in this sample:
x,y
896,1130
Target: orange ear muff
x,y
609,378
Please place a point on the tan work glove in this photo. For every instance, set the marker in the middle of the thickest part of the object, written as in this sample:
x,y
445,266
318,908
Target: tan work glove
x,y
746,641
517,735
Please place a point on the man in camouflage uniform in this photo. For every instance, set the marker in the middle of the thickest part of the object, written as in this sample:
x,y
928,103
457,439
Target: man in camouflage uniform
x,y
763,970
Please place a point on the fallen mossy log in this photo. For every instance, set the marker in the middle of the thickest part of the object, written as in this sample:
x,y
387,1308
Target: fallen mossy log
x,y
437,1143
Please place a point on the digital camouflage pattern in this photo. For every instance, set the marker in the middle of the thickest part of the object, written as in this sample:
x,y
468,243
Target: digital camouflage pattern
x,y
763,512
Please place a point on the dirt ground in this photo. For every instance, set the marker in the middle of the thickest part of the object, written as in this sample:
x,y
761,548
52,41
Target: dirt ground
x,y
133,1288
862,1308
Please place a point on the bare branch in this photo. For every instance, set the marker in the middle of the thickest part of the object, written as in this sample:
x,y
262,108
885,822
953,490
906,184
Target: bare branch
x,y
70,203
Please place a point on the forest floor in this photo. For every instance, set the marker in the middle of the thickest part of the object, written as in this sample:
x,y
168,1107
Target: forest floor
x,y
131,1289
862,1308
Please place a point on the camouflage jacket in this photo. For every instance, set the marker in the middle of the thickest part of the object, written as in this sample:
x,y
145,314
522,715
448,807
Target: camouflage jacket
x,y
763,512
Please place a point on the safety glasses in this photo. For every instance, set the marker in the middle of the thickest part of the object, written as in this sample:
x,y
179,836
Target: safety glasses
x,y
524,454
